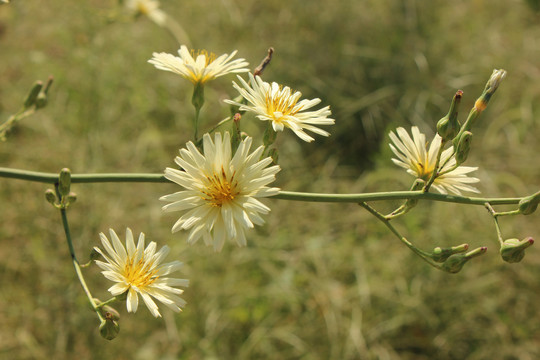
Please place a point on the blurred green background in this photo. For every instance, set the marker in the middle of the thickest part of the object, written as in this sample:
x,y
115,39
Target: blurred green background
x,y
319,281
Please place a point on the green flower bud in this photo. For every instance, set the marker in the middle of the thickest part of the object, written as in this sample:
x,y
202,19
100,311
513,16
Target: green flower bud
x,y
529,204
64,182
50,196
41,100
513,250
441,254
109,328
33,94
462,144
71,198
449,126
455,262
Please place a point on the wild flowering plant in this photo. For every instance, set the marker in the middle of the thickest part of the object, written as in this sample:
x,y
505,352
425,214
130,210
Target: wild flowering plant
x,y
224,176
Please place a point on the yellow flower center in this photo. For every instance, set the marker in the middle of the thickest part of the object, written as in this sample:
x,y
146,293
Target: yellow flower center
x,y
280,103
424,172
138,274
209,58
220,189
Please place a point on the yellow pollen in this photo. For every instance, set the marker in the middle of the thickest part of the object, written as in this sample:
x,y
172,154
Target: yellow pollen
x,y
220,189
209,58
138,274
278,102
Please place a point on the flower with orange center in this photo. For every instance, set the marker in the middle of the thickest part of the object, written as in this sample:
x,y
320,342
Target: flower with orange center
x,y
221,189
198,67
283,107
414,156
138,271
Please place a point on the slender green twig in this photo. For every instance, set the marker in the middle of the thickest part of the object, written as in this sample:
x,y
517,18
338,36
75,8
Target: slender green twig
x,y
496,220
77,266
424,255
435,172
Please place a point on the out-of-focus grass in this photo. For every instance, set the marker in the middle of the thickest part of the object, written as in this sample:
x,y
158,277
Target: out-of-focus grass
x,y
318,281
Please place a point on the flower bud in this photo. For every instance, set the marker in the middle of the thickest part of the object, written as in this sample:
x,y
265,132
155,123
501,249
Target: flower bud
x,y
441,254
513,250
50,196
529,204
493,83
273,153
462,144
449,126
64,182
33,94
455,262
109,328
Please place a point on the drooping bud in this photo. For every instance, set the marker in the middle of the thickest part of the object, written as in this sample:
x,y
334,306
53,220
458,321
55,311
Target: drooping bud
x,y
513,250
449,125
462,145
529,204
455,262
109,328
441,254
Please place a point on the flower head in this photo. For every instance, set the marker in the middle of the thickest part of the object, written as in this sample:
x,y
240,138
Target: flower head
x,y
413,155
198,67
221,190
138,271
149,8
283,107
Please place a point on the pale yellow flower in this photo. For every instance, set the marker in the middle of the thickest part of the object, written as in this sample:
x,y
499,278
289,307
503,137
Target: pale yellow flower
x,y
198,67
148,8
283,107
137,270
221,189
414,156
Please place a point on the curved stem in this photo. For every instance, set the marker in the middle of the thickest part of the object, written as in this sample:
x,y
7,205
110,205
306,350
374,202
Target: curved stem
x,y
77,266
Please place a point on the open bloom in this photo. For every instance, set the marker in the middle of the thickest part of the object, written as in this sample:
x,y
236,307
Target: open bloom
x,y
138,271
414,155
283,107
221,190
149,8
198,67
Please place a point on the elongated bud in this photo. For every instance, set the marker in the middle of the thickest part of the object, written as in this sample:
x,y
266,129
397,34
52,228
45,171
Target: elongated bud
x,y
109,328
449,126
462,144
64,182
492,85
455,262
51,197
529,204
441,254
33,94
513,250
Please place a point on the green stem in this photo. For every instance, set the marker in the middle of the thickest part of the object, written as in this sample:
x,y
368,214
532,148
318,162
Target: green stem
x,y
107,302
51,178
424,255
435,172
77,266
